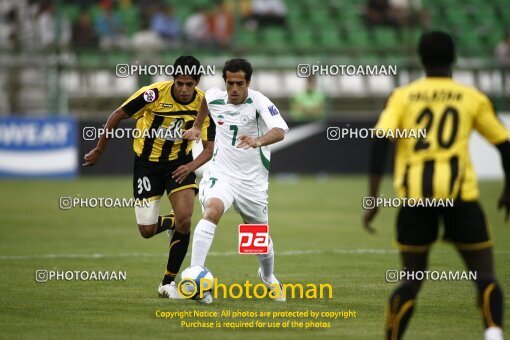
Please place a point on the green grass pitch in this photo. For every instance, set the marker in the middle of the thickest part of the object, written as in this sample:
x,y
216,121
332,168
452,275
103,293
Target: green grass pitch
x,y
316,227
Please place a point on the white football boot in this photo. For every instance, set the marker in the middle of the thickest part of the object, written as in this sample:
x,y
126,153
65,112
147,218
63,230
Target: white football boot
x,y
493,333
275,290
169,291
207,299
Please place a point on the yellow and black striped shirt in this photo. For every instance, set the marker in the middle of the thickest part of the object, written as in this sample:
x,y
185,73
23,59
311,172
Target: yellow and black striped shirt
x,y
439,166
161,120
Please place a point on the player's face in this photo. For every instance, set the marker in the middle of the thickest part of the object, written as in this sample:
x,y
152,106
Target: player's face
x,y
237,87
184,88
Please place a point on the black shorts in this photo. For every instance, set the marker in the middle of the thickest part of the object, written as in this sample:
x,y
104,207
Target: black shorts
x,y
465,225
151,179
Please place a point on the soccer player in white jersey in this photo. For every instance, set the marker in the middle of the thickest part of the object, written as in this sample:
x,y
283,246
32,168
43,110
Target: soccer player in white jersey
x,y
246,123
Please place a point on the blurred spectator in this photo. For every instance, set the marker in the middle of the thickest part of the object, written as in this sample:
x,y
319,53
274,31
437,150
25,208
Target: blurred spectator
x,y
222,24
309,105
382,13
10,86
244,8
166,25
50,28
268,12
502,51
146,39
9,27
84,35
410,12
110,29
196,27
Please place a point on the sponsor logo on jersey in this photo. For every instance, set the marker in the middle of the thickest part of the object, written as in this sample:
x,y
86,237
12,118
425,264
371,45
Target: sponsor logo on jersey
x,y
273,110
149,96
232,113
166,105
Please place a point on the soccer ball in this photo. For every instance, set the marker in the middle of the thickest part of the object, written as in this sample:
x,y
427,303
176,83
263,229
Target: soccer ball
x,y
195,280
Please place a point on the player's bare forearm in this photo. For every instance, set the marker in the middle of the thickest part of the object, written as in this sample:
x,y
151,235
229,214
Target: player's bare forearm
x,y
111,124
205,156
196,130
369,214
202,113
374,184
504,200
180,174
272,136
377,162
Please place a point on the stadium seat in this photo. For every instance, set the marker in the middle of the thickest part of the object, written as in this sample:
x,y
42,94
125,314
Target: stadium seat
x,y
319,16
410,37
385,37
330,38
304,39
469,41
117,57
483,14
275,38
246,38
457,18
359,39
71,12
90,59
182,12
130,19
295,15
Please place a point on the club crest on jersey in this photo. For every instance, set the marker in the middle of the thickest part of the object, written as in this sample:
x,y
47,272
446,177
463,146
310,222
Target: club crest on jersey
x,y
221,119
273,110
149,96
244,120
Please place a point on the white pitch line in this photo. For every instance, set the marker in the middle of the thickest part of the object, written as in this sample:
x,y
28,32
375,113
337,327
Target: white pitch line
x,y
228,253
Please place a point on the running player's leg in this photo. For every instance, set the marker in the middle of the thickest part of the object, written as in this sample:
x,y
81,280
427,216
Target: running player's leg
x,y
253,207
181,196
467,227
149,183
216,198
401,304
417,229
182,205
490,294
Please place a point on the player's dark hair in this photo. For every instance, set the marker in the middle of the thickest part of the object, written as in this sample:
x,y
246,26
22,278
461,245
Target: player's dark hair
x,y
187,65
236,65
436,49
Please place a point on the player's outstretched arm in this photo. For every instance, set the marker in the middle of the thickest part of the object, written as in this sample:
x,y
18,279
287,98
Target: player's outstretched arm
x,y
272,136
377,163
183,171
504,200
196,131
490,127
113,121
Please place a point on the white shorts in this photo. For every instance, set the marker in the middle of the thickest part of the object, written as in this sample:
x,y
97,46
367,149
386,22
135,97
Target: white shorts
x,y
249,202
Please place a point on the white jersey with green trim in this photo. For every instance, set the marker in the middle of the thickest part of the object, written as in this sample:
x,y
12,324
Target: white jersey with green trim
x,y
255,117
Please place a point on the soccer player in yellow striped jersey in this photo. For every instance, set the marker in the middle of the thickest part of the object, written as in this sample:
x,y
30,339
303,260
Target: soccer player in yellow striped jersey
x,y
438,166
163,159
